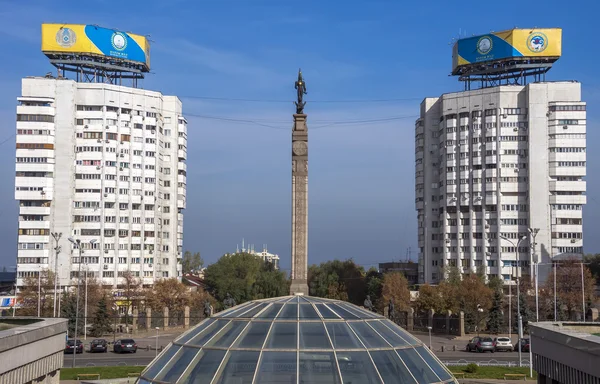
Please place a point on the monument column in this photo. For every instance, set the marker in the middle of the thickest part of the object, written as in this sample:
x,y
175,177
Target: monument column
x,y
299,195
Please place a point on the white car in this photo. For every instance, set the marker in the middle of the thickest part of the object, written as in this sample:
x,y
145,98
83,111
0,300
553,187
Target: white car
x,y
503,344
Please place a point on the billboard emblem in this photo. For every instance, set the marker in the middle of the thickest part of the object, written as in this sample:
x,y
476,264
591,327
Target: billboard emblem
x,y
66,37
484,45
537,42
119,41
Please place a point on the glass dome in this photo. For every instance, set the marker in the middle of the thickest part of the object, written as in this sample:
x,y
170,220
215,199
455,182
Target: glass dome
x,y
296,339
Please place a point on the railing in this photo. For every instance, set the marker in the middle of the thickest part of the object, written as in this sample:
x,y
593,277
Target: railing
x,y
488,363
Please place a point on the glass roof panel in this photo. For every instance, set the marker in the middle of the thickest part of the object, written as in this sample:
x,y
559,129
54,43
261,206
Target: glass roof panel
x,y
296,339
177,365
289,312
417,366
401,332
433,362
391,368
325,312
194,331
342,312
209,332
342,336
230,332
239,368
270,312
367,335
277,367
358,311
318,368
390,337
283,336
242,307
160,362
254,310
313,336
254,336
308,312
357,367
204,366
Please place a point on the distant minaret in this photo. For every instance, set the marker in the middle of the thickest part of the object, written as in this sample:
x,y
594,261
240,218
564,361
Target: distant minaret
x,y
299,194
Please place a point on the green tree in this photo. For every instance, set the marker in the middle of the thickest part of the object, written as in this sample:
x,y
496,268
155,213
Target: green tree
x,y
191,262
429,298
341,274
474,299
495,317
395,287
374,286
594,265
68,310
101,322
246,277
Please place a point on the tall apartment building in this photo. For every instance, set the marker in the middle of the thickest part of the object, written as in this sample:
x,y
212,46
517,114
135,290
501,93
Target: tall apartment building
x,y
103,164
493,164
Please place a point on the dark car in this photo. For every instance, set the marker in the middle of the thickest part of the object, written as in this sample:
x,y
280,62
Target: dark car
x,y
70,347
99,345
524,345
481,344
125,345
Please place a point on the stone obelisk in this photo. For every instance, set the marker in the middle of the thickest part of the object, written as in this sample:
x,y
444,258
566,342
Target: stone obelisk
x,y
299,194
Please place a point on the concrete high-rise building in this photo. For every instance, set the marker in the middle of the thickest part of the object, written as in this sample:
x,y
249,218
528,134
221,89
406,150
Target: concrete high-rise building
x,y
492,166
105,165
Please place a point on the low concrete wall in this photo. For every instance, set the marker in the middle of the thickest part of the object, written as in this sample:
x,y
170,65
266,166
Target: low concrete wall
x,y
32,352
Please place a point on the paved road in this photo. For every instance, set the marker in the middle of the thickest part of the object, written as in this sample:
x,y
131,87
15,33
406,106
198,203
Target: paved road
x,y
143,357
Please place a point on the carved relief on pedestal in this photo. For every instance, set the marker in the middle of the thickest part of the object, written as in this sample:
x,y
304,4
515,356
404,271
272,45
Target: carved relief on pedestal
x,y
293,166
300,148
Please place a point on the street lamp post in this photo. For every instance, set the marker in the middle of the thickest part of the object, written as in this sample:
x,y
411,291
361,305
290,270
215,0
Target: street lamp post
x,y
39,291
534,258
157,329
428,328
85,300
516,246
57,249
77,244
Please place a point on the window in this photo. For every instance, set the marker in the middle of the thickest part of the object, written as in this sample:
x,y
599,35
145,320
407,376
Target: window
x,y
554,108
38,118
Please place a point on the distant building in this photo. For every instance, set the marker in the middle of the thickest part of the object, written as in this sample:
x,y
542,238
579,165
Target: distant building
x,y
265,255
409,269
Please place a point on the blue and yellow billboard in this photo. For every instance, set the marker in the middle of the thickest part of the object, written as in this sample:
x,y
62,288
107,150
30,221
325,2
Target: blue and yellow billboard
x,y
514,43
94,40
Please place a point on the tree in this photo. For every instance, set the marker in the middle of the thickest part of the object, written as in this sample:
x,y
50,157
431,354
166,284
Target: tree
x,y
37,290
191,262
474,299
341,274
429,298
337,291
68,310
568,290
131,292
495,316
169,293
374,284
395,287
246,277
594,265
101,323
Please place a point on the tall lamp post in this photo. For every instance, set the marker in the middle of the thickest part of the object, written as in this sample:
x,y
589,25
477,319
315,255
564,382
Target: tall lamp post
x,y
77,244
516,246
57,249
534,258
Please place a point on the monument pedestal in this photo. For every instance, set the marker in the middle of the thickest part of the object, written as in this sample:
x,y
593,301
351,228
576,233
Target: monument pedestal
x,y
299,206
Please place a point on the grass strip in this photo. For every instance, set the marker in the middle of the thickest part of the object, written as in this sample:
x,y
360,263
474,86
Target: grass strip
x,y
491,372
105,372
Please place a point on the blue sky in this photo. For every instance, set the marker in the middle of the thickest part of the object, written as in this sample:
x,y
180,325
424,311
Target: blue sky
x,y
362,171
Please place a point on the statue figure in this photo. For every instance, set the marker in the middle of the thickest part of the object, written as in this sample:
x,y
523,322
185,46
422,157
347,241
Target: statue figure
x,y
207,308
229,301
300,86
391,310
368,304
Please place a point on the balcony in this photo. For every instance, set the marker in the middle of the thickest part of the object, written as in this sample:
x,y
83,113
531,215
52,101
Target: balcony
x,y
565,186
568,171
568,199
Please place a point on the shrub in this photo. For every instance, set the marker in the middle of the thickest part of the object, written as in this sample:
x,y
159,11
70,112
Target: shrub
x,y
471,368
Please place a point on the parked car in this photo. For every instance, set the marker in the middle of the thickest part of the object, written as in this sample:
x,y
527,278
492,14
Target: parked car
x,y
524,345
125,345
481,344
70,347
503,344
99,345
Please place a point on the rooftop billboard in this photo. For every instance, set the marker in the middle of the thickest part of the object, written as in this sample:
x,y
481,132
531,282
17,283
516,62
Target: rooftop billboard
x,y
94,40
514,43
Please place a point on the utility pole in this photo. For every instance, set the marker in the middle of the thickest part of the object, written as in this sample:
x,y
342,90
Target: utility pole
x,y
534,259
57,249
555,311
